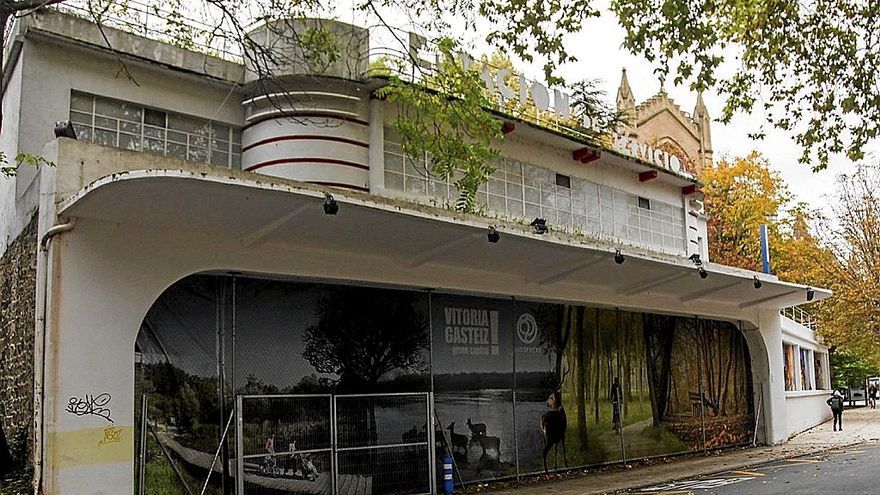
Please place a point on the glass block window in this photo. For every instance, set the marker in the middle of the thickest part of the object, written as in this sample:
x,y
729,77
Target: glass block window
x,y
129,126
519,190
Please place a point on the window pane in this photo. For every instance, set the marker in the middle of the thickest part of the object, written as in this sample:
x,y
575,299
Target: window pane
x,y
177,137
79,101
154,132
105,138
198,141
190,125
80,118
154,117
220,131
130,142
154,146
129,127
176,151
117,109
84,134
105,122
197,154
220,159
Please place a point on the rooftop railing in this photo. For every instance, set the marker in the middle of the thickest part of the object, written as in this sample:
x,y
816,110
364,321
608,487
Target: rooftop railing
x,y
800,316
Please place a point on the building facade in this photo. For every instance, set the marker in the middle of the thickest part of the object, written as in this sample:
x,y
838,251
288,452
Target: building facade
x,y
263,289
661,122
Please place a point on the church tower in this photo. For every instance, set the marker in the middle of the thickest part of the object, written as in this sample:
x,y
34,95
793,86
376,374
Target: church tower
x,y
626,102
660,122
704,123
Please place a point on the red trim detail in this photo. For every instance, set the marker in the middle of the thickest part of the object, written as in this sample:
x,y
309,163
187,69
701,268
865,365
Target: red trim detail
x,y
647,175
687,190
306,115
586,155
508,127
304,137
342,186
307,160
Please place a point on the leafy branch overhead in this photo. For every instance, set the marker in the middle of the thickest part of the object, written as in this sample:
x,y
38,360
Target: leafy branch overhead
x,y
811,66
444,122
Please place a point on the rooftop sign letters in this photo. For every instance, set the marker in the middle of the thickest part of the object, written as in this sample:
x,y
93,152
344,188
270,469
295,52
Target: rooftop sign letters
x,y
642,151
527,92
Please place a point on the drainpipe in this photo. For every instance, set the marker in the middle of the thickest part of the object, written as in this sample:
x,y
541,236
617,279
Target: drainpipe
x,y
40,348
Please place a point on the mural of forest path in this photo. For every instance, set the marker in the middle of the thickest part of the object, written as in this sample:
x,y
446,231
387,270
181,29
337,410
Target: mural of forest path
x,y
637,443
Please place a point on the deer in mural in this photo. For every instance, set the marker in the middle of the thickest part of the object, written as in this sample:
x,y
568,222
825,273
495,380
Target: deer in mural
x,y
553,425
477,429
459,443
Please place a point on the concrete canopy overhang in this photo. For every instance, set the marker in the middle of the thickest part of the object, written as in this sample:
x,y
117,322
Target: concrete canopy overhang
x,y
252,211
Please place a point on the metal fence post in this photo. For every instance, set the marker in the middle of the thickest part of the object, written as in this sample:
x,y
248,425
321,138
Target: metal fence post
x,y
334,454
432,444
142,462
239,447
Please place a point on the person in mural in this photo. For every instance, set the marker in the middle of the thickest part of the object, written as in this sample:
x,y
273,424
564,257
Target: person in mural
x,y
836,404
616,403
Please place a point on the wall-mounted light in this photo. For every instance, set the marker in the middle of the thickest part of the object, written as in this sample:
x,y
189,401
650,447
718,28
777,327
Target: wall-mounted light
x,y
540,226
757,282
695,258
493,236
330,205
618,257
810,293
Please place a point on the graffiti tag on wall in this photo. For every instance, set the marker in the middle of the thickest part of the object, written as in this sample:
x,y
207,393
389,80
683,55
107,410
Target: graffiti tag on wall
x,y
94,405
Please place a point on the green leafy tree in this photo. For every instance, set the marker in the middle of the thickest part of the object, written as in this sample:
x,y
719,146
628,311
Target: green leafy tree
x,y
446,122
810,65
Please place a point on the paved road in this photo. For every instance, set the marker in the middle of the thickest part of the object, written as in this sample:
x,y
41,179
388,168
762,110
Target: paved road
x,y
850,471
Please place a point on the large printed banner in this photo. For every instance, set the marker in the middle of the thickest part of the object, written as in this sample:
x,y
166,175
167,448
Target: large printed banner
x,y
518,387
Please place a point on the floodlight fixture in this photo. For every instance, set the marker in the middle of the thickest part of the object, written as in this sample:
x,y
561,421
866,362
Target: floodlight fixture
x,y
493,236
702,271
757,282
64,128
618,257
540,226
810,293
330,205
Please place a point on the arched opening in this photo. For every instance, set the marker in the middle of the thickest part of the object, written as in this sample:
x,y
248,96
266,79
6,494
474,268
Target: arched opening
x,y
330,386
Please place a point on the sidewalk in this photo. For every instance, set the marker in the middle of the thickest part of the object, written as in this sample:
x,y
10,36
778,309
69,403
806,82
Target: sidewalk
x,y
860,425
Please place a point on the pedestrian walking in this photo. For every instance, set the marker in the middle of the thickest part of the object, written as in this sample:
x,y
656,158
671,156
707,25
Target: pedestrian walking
x,y
836,404
616,403
872,396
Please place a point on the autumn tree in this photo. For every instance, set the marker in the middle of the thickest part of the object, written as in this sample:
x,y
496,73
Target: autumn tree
x,y
740,195
850,320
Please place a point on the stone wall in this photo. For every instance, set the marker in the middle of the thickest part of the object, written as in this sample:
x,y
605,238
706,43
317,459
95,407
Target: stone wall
x,y
18,279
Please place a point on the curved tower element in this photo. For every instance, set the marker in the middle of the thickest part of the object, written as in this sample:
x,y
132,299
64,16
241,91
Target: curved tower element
x,y
308,117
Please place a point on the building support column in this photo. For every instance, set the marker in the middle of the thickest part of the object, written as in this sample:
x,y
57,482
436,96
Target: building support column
x,y
765,346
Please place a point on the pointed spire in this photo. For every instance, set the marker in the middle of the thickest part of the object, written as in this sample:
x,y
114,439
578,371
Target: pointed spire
x,y
700,108
625,98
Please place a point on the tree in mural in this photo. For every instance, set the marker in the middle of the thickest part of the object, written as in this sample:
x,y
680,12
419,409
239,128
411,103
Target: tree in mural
x,y
659,331
364,335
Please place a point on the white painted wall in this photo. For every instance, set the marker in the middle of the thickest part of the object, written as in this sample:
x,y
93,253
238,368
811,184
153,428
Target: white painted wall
x,y
806,409
15,209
